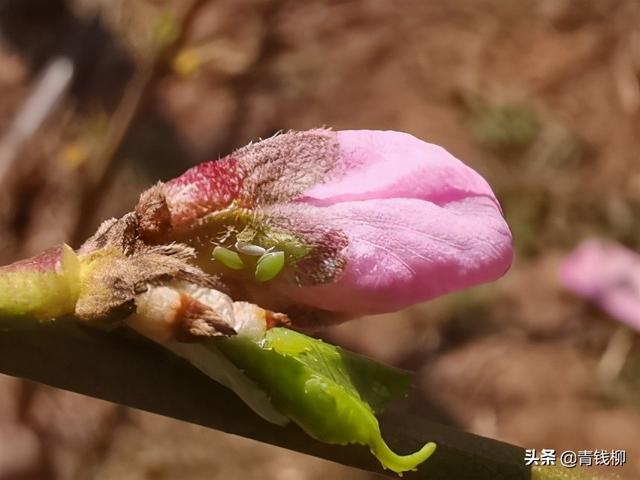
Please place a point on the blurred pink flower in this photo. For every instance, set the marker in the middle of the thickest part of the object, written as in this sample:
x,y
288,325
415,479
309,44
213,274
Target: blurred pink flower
x,y
607,274
391,220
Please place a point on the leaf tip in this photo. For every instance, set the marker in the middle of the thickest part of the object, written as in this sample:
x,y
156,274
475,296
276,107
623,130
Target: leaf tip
x,y
401,463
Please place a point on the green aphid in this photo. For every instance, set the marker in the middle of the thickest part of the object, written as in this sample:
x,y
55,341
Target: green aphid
x,y
269,266
228,258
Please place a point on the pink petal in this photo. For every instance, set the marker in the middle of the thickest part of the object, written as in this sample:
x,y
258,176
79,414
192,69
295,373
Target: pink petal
x,y
388,164
402,251
607,274
420,224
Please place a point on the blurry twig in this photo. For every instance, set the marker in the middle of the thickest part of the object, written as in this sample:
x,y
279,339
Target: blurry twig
x,y
615,356
72,58
47,92
626,66
599,52
140,87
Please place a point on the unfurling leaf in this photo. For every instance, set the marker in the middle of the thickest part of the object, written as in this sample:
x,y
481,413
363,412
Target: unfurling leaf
x,y
330,393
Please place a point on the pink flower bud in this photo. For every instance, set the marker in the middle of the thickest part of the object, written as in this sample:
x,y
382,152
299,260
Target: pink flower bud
x,y
369,221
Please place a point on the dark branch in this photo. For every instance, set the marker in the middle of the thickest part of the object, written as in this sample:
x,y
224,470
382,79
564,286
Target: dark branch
x,y
136,373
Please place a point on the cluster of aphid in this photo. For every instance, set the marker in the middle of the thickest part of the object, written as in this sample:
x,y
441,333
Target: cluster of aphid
x,y
270,262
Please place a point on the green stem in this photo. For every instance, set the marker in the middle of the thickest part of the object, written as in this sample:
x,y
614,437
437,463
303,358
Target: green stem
x,y
45,293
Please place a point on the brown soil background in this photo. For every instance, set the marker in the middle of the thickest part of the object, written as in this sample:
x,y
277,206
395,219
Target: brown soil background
x,y
541,96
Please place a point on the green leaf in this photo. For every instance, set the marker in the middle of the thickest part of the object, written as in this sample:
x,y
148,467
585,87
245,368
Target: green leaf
x,y
210,361
329,393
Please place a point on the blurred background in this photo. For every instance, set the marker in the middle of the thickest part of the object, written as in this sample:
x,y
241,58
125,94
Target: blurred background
x,y
99,99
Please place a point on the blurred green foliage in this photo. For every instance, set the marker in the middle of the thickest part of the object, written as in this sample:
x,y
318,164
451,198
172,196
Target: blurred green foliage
x,y
505,127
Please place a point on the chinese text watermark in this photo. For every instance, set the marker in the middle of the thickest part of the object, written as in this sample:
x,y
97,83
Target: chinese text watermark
x,y
577,458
